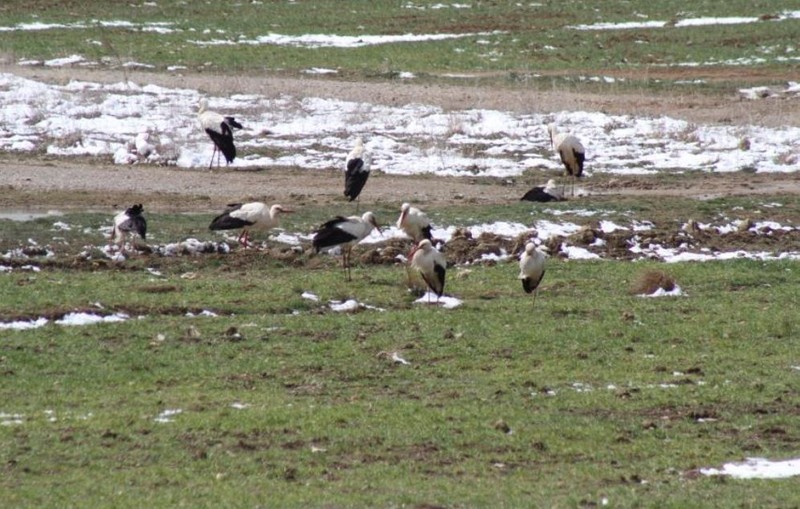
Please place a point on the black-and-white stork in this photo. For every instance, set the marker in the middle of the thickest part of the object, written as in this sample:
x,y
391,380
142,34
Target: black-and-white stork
x,y
356,171
414,223
431,265
570,150
220,129
345,232
129,222
546,193
531,269
244,216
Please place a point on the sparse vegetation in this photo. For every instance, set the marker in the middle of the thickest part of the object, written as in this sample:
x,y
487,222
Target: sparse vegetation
x,y
593,398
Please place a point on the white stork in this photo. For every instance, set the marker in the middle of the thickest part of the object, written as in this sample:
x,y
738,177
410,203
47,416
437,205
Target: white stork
x,y
220,129
345,232
549,192
129,222
144,148
414,223
571,152
431,265
531,269
245,216
356,171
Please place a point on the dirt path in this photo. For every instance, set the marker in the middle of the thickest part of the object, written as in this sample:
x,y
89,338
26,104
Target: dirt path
x,y
33,183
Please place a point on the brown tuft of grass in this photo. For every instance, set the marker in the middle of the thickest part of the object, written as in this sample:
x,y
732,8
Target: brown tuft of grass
x,y
650,281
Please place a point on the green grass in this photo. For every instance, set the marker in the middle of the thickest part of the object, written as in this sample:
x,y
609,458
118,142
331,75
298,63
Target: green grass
x,y
525,38
331,422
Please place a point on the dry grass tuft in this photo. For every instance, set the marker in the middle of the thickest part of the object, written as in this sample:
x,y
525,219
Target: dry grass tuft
x,y
650,281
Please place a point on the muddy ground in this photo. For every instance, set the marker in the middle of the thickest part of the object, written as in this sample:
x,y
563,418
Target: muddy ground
x,y
36,182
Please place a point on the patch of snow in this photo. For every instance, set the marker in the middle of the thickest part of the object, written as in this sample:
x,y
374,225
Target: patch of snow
x,y
757,468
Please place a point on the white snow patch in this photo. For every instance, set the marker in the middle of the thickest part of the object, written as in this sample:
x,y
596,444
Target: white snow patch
x,y
757,468
445,301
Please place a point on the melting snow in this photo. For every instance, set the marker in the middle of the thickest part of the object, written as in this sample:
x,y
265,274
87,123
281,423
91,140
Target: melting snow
x,y
350,305
688,22
24,324
166,415
660,292
334,41
90,318
39,116
444,301
757,468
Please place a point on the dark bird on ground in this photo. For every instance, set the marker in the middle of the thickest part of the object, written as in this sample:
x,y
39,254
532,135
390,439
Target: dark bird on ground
x,y
127,223
549,192
356,171
570,150
345,232
431,265
531,269
220,129
246,216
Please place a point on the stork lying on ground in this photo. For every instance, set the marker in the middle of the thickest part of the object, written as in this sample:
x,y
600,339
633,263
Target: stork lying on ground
x,y
547,193
244,216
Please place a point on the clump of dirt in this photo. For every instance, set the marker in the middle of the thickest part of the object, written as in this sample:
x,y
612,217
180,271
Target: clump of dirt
x,y
651,281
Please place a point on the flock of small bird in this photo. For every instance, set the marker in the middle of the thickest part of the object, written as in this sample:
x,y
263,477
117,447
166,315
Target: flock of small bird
x,y
346,232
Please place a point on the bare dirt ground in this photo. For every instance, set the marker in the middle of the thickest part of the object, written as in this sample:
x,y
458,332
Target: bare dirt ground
x,y
35,181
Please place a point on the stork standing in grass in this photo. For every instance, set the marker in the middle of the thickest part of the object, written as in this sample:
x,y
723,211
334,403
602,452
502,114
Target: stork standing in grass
x,y
356,171
130,221
220,129
570,150
531,269
414,223
245,216
431,265
345,232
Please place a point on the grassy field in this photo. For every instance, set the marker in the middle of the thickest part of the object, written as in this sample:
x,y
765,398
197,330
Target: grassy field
x,y
594,397
514,40
594,394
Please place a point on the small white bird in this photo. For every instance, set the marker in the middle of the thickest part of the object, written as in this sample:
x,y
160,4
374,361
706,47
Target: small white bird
x,y
129,222
414,223
345,232
531,269
220,129
245,216
144,148
356,172
431,265
570,150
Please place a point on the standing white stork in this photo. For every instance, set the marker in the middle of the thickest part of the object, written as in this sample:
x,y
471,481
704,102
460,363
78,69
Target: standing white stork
x,y
549,192
345,232
431,265
531,269
128,222
570,150
356,171
414,223
244,216
220,129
